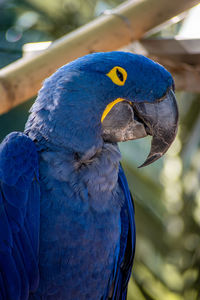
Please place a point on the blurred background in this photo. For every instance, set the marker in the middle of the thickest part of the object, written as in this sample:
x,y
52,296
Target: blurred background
x,y
167,193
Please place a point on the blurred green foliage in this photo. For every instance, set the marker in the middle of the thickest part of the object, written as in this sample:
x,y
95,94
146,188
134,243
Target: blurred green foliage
x,y
166,194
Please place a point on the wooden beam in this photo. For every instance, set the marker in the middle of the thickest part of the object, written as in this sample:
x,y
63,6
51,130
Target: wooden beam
x,y
176,49
180,56
186,76
130,21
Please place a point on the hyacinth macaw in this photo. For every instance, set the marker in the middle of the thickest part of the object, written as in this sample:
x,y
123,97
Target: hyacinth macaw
x,y
67,226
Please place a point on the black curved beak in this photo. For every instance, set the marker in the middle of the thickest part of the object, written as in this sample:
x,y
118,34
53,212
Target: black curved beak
x,y
130,120
161,120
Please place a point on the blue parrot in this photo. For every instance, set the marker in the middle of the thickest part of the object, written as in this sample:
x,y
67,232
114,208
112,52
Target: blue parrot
x,y
67,227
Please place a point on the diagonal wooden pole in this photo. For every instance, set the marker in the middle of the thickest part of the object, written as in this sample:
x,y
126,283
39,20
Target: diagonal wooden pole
x,y
22,79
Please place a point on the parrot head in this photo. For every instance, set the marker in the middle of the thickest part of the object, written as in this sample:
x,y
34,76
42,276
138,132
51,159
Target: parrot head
x,y
106,97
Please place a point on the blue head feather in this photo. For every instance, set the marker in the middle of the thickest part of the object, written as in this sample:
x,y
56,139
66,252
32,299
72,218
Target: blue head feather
x,y
70,104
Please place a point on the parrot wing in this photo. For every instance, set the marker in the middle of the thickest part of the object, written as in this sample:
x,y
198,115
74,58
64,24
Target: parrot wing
x,y
124,264
19,217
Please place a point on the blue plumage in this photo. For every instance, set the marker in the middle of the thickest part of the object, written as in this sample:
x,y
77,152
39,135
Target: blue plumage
x,y
19,217
63,174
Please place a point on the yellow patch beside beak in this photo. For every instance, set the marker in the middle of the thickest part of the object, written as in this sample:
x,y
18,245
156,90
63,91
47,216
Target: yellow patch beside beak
x,y
109,107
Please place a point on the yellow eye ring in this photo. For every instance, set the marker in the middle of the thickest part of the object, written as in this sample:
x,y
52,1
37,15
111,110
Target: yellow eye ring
x,y
118,75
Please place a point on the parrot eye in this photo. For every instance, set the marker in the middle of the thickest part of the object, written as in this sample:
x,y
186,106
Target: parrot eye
x,y
118,75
